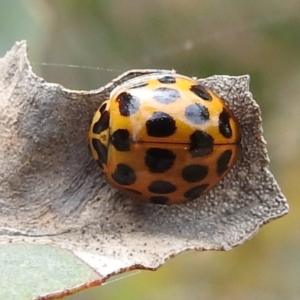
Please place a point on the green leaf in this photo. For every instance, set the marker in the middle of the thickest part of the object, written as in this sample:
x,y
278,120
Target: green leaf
x,y
30,271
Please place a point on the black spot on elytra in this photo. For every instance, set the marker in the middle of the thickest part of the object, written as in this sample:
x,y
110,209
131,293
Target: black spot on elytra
x,y
197,151
160,124
103,107
195,191
223,161
124,175
101,151
167,79
102,124
159,199
201,92
194,173
161,187
165,95
128,104
197,113
201,138
98,160
159,160
120,140
202,143
224,124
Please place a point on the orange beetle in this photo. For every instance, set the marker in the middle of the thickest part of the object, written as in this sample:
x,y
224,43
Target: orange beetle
x,y
164,138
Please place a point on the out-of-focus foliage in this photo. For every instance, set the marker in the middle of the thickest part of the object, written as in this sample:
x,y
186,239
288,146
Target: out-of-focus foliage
x,y
197,38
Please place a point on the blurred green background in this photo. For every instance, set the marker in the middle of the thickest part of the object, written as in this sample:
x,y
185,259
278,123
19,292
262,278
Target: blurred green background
x,y
196,38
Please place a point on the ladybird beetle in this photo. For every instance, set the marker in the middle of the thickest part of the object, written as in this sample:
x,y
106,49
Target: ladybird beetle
x,y
164,138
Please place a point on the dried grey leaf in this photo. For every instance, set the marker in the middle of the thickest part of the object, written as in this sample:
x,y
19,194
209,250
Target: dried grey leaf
x,y
51,191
